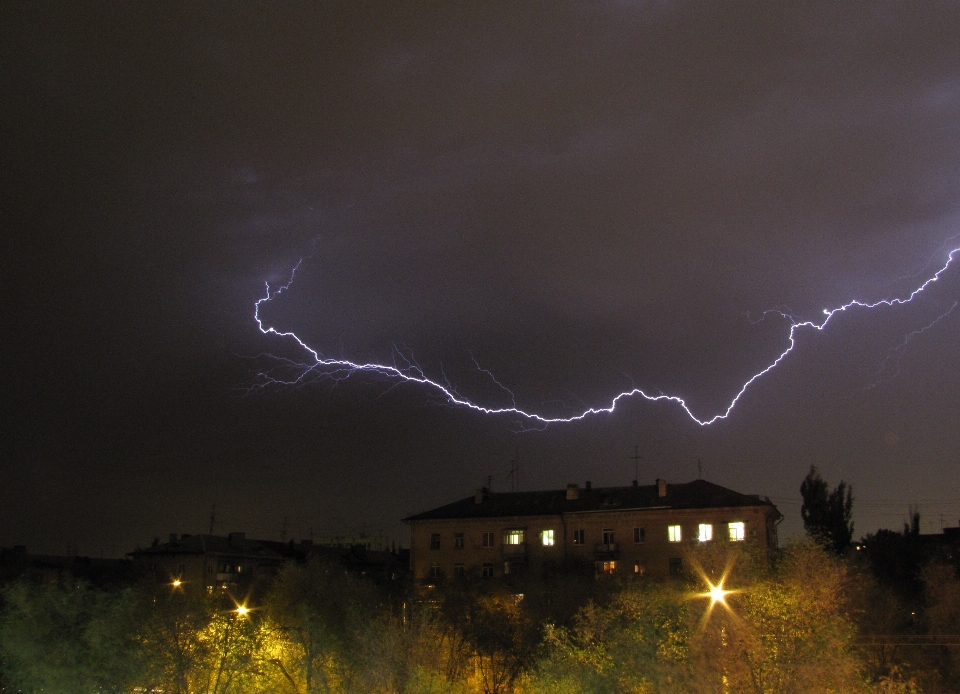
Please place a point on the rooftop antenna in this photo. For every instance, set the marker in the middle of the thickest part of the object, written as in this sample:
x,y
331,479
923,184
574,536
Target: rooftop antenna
x,y
213,511
636,457
699,469
283,531
514,476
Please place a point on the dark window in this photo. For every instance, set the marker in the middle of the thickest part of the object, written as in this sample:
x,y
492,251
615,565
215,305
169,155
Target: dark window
x,y
506,567
488,569
488,540
435,571
435,541
639,535
578,537
458,540
676,566
459,571
608,536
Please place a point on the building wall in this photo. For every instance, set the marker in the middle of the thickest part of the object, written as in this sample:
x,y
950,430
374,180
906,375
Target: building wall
x,y
652,555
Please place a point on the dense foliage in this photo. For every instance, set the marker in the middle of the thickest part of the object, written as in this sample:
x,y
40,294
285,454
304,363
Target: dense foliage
x,y
794,624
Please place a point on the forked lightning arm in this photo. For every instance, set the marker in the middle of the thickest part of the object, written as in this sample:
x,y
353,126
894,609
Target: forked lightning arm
x,y
411,373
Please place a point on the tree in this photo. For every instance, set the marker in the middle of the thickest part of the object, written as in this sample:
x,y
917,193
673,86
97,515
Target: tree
x,y
68,638
827,516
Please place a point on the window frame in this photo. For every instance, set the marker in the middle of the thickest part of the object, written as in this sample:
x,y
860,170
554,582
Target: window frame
x,y
737,531
675,533
514,537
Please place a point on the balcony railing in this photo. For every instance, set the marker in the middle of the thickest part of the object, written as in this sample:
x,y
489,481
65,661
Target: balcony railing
x,y
517,550
607,548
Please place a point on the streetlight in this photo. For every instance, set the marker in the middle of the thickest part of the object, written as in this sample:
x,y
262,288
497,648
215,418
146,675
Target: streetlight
x,y
717,594
242,610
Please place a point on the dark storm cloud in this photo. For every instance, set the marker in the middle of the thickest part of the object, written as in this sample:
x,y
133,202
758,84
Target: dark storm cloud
x,y
582,196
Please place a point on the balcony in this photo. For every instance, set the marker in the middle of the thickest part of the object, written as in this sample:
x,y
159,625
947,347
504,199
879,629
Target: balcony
x,y
515,550
607,550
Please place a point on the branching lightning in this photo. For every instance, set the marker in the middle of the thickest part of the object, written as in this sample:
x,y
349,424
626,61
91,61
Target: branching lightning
x,y
405,370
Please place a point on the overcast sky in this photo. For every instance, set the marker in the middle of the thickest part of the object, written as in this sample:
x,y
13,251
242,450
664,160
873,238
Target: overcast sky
x,y
580,198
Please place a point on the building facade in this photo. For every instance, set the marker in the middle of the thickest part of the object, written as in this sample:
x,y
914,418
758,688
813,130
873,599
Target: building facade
x,y
209,564
638,529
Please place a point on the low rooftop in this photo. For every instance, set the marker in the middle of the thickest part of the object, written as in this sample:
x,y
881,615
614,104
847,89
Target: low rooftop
x,y
687,495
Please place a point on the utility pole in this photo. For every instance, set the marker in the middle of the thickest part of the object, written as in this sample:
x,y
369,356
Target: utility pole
x,y
636,458
283,531
213,512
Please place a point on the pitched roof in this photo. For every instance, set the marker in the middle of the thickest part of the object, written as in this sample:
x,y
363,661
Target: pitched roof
x,y
688,495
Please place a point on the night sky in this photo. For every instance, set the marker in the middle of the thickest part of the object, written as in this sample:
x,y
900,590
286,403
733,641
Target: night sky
x,y
578,198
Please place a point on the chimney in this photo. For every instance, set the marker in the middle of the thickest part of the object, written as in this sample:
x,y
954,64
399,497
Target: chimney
x,y
587,486
173,538
661,488
480,495
573,492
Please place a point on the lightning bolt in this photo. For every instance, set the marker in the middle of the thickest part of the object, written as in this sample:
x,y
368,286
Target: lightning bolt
x,y
404,368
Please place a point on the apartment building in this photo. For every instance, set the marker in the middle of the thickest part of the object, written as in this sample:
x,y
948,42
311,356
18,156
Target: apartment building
x,y
639,529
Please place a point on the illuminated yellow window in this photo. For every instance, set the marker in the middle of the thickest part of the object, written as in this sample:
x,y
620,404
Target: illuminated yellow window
x,y
674,533
513,537
706,532
608,567
546,537
737,532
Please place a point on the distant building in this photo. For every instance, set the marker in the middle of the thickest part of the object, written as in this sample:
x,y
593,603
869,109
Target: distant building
x,y
239,566
211,563
635,529
17,563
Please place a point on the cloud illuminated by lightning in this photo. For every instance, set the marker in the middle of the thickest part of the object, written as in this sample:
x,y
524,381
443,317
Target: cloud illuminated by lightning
x,y
405,370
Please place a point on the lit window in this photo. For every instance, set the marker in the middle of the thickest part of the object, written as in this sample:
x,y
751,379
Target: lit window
x,y
674,534
639,568
578,537
488,539
737,532
639,535
706,532
458,540
608,536
607,567
459,571
513,537
546,537
487,571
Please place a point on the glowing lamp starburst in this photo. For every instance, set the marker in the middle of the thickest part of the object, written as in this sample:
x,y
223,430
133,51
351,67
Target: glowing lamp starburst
x,y
717,594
